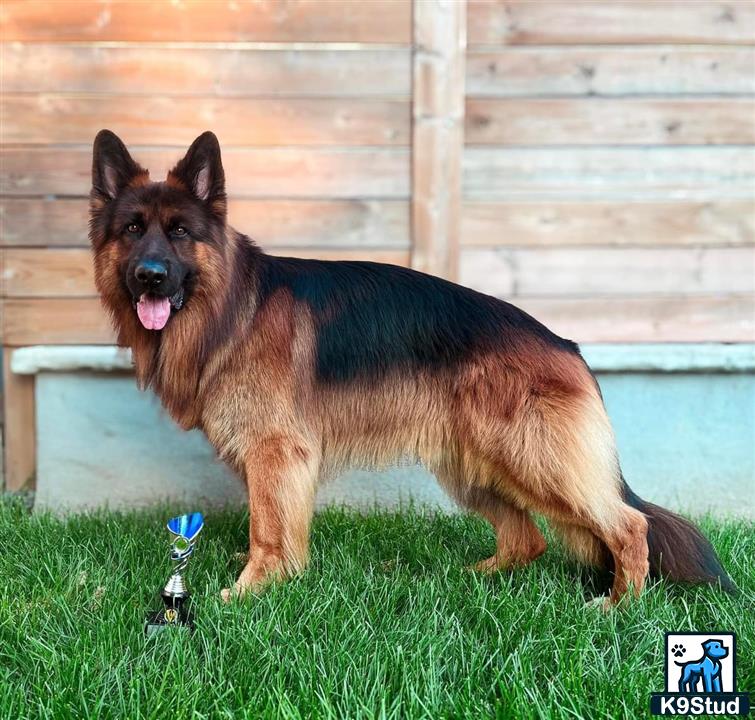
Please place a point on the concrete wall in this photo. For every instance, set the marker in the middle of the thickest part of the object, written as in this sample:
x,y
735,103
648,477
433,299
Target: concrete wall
x,y
686,437
102,442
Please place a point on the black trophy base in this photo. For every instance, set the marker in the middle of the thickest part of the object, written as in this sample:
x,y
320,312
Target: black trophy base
x,y
176,613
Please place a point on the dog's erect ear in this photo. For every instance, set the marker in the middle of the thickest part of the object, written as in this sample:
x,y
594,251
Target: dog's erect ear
x,y
112,166
201,171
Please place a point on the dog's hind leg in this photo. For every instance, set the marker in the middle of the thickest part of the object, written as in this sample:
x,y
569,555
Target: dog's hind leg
x,y
585,547
584,499
281,476
583,544
550,444
573,477
626,538
518,539
683,680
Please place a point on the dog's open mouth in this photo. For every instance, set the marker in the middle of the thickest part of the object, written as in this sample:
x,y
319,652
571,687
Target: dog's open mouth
x,y
154,311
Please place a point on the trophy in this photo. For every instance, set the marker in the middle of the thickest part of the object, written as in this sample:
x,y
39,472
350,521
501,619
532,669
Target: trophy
x,y
175,596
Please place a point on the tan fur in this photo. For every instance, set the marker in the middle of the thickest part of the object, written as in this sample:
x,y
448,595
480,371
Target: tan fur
x,y
506,433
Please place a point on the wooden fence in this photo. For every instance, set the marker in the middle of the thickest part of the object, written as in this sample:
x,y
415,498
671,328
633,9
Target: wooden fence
x,y
593,162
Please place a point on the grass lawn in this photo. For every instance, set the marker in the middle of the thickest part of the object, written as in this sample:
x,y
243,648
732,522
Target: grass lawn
x,y
384,624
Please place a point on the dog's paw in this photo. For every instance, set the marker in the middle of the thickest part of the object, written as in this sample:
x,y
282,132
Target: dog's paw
x,y
241,589
602,603
678,650
486,567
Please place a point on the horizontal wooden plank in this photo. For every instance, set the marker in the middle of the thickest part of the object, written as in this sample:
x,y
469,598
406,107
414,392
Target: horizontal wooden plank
x,y
239,121
68,321
46,272
40,222
203,71
586,22
505,271
601,271
652,173
391,257
370,21
714,318
610,121
595,71
67,272
250,172
540,224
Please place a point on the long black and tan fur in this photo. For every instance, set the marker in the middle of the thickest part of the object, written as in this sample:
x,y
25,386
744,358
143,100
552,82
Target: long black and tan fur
x,y
296,369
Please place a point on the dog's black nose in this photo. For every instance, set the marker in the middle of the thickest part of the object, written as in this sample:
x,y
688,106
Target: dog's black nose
x,y
151,272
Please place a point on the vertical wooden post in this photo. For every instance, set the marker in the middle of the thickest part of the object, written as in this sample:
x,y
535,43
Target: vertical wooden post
x,y
439,29
18,420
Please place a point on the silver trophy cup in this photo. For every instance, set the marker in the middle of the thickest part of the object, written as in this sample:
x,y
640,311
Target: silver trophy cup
x,y
175,596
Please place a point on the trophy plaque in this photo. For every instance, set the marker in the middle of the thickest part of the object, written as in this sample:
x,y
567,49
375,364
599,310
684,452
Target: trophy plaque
x,y
176,611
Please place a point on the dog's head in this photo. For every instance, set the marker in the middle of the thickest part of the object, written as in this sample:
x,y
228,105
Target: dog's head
x,y
715,650
156,245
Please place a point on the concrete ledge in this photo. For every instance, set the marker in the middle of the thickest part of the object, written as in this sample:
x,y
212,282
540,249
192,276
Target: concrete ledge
x,y
672,357
684,419
70,358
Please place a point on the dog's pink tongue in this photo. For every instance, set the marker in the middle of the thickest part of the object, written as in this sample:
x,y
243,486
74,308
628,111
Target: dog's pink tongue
x,y
153,312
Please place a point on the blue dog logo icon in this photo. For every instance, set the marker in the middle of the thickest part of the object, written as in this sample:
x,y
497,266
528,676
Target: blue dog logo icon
x,y
707,669
700,676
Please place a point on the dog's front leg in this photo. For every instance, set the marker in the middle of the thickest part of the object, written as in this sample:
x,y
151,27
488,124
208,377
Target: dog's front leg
x,y
281,476
709,679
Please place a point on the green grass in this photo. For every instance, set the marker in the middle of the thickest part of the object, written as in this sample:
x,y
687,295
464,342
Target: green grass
x,y
385,623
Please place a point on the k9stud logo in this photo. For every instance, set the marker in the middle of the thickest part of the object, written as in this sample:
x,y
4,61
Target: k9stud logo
x,y
700,676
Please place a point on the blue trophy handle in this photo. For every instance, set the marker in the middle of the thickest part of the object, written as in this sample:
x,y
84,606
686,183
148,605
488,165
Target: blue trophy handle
x,y
187,526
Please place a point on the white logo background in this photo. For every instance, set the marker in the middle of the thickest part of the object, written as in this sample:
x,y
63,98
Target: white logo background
x,y
693,651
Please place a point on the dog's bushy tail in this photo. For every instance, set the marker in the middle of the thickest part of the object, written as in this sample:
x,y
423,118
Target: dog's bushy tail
x,y
677,549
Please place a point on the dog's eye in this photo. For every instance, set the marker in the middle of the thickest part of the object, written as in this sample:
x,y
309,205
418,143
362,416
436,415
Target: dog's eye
x,y
133,228
180,231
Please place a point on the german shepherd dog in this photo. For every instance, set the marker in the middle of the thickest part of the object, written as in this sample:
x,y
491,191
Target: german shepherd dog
x,y
296,369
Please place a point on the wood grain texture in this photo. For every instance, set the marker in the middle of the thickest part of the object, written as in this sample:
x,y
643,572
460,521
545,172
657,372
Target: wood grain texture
x,y
712,318
607,271
704,318
250,172
19,432
47,272
437,134
391,257
205,71
67,272
502,271
156,120
368,224
627,173
56,321
650,173
639,223
586,22
614,121
620,71
369,21
39,222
